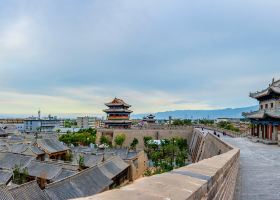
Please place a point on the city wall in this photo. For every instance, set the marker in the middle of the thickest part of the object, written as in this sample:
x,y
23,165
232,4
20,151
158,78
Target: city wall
x,y
156,134
212,175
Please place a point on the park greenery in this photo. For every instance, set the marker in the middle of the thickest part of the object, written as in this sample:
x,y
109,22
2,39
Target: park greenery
x,y
165,155
227,126
182,122
82,137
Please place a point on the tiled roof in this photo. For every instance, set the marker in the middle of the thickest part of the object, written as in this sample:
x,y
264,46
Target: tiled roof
x,y
2,132
118,110
112,167
4,193
51,145
18,148
274,87
28,191
10,160
261,114
92,160
117,102
5,176
43,170
88,182
64,174
36,150
117,121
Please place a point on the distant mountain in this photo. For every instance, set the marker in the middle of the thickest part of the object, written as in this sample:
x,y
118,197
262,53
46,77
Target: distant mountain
x,y
199,114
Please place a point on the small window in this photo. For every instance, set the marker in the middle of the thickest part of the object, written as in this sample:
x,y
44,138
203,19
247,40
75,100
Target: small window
x,y
266,106
261,107
271,105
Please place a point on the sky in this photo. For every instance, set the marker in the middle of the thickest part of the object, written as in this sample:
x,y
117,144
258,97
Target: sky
x,y
72,56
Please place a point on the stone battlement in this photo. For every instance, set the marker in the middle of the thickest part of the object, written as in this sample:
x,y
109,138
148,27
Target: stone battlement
x,y
212,176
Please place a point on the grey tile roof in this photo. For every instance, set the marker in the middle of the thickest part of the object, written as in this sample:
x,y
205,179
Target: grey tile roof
x,y
4,193
112,167
43,170
9,160
36,150
275,87
64,174
5,176
2,132
261,114
51,145
88,182
18,148
92,160
28,191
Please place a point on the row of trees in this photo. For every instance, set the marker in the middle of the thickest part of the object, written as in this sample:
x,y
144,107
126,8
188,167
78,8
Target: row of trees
x,y
119,140
182,122
82,137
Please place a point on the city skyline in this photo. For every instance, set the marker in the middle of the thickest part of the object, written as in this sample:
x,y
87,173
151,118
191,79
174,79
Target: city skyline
x,y
156,55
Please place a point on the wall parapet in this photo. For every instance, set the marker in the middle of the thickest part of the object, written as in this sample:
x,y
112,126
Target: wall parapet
x,y
210,178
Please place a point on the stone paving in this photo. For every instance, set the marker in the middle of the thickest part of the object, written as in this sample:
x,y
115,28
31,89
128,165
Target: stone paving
x,y
259,173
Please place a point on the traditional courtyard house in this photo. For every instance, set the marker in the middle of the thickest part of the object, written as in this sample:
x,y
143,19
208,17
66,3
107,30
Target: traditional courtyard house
x,y
9,160
42,172
116,170
53,148
118,114
28,191
85,183
266,121
27,149
3,133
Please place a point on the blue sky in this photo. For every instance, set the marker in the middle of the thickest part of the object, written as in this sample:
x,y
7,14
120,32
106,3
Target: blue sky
x,y
72,56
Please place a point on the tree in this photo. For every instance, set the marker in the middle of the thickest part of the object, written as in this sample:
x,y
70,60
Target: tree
x,y
81,161
69,156
104,139
146,140
134,143
119,139
19,175
58,130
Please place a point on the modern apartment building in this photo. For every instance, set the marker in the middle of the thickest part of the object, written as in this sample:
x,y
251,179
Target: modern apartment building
x,y
87,122
46,125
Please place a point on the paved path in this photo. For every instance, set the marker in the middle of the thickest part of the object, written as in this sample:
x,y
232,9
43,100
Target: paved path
x,y
259,174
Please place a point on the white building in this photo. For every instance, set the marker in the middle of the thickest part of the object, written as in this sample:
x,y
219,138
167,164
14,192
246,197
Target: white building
x,y
86,122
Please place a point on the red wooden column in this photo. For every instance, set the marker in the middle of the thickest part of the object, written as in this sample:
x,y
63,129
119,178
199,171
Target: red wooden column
x,y
270,130
262,129
258,130
266,131
252,129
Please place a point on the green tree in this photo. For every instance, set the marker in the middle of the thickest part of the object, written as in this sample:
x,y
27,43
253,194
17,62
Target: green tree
x,y
134,143
146,140
104,140
81,161
119,139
